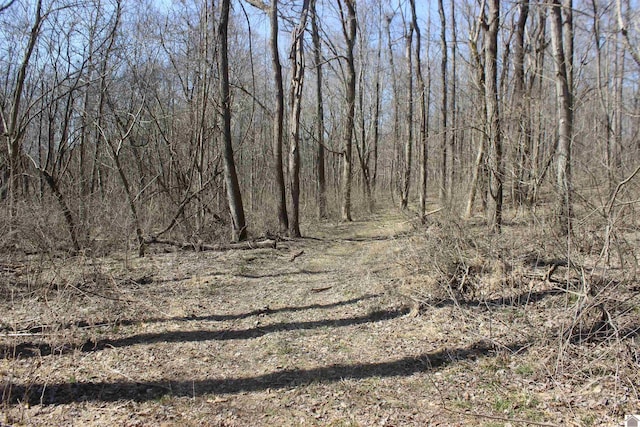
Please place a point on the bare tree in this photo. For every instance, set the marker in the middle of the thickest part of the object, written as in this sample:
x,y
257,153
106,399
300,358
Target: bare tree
x,y
424,112
396,106
478,64
453,108
494,130
349,27
408,143
320,162
281,199
238,226
523,144
562,65
444,106
376,108
295,99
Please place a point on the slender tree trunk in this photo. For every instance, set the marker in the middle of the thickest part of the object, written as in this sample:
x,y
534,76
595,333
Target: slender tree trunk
x,y
362,148
615,143
376,112
565,115
278,120
297,83
453,109
408,143
239,227
394,183
349,26
537,82
444,106
496,177
66,211
424,119
478,167
320,162
523,144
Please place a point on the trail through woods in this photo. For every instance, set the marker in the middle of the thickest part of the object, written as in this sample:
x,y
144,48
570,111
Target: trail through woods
x,y
315,332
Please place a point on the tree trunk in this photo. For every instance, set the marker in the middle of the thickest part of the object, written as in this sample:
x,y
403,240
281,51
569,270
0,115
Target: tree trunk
x,y
565,116
408,143
376,112
281,197
238,226
349,26
297,82
523,143
320,166
454,154
478,167
496,176
443,106
424,112
394,185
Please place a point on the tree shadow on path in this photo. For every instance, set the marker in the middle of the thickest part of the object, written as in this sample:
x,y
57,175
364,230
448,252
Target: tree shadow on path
x,y
29,349
64,393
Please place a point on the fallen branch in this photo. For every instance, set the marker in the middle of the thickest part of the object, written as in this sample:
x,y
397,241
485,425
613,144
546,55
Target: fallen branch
x,y
296,255
318,290
263,244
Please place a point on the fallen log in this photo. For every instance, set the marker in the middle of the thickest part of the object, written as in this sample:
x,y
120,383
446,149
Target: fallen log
x,y
190,246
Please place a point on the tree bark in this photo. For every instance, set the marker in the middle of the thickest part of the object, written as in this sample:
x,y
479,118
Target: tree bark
x,y
349,26
496,176
478,166
443,106
565,117
320,162
408,143
523,143
394,181
424,113
281,197
238,224
297,83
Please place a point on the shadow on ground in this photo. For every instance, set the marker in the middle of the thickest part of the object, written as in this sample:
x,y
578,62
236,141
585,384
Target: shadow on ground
x,y
192,318
522,299
63,393
30,349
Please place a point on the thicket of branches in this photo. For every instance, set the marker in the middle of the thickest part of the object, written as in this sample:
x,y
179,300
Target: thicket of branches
x,y
113,123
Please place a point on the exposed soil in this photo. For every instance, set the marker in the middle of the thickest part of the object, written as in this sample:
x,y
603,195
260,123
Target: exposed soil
x,y
277,337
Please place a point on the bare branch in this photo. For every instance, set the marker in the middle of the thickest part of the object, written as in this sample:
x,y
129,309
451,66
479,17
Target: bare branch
x,y
6,6
259,4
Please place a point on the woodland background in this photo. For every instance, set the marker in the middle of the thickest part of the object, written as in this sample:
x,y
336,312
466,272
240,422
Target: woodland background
x,y
140,120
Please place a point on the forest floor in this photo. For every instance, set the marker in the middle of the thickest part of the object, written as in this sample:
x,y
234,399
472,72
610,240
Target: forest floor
x,y
320,331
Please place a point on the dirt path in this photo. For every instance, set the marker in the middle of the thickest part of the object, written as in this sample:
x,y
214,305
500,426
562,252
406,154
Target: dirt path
x,y
251,338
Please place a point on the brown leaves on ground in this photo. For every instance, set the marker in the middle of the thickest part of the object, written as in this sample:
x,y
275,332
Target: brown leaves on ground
x,y
251,338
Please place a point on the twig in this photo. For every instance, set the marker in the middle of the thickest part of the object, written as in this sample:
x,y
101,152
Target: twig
x,y
497,417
